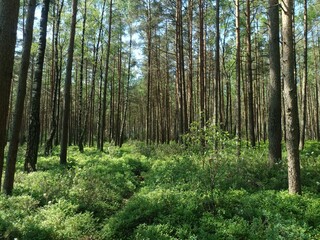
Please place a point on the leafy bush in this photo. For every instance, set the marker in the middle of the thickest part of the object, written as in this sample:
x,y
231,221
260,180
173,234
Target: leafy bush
x,y
59,221
161,206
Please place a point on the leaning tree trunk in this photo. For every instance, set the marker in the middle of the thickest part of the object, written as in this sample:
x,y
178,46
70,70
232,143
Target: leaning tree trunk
x,y
290,98
34,127
19,106
67,87
8,28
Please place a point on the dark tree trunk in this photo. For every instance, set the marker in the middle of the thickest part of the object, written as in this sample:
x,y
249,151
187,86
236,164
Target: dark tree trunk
x,y
67,87
274,124
34,126
104,101
249,78
53,122
8,29
19,106
81,127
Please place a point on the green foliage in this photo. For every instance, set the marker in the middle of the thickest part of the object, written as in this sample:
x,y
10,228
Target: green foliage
x,y
161,206
163,192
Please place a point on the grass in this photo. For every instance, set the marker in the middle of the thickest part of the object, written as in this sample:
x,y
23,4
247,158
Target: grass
x,y
163,192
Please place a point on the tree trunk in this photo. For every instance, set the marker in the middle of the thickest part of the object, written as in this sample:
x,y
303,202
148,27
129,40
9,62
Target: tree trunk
x,y
67,87
19,105
53,123
82,127
8,29
238,76
305,77
104,101
218,95
274,123
34,127
290,98
201,66
250,79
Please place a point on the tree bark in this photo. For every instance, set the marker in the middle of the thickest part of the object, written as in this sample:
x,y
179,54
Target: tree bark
x,y
67,87
305,77
8,29
274,123
238,76
104,101
34,127
53,122
250,79
290,98
19,105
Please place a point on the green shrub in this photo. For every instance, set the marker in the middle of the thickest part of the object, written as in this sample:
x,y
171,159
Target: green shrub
x,y
102,188
161,206
59,221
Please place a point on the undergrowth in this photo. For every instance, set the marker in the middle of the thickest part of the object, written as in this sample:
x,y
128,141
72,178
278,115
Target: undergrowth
x,y
172,191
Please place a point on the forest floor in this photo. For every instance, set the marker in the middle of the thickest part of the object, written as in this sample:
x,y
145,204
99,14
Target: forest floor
x,y
163,192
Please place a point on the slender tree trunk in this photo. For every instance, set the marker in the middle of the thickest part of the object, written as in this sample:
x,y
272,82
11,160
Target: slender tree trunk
x,y
118,118
316,63
9,10
290,98
190,63
149,44
217,70
274,123
250,79
201,66
104,101
53,124
238,76
34,126
305,77
82,127
67,86
126,103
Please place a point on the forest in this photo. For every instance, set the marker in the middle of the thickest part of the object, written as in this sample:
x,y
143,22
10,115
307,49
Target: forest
x,y
159,119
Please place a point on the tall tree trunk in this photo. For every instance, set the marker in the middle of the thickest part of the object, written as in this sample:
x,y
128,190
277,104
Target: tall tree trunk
x,y
217,70
149,44
238,76
34,126
190,63
126,103
119,99
8,29
274,123
82,127
249,78
53,123
201,66
19,105
67,86
316,63
305,77
104,101
290,98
